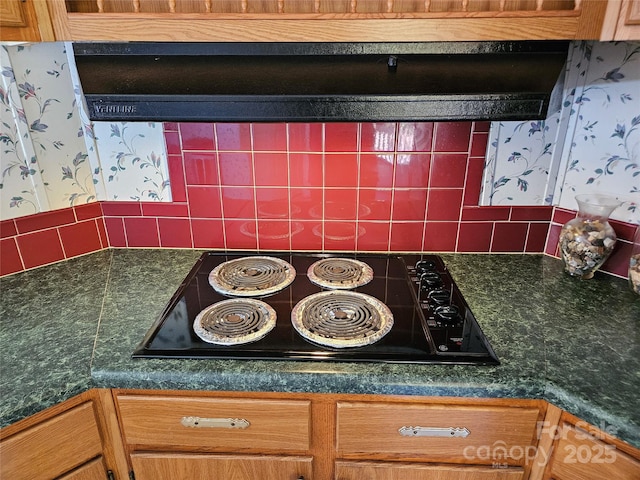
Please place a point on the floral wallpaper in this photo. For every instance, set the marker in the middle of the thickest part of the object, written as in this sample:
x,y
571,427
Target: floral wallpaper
x,y
53,156
133,162
592,144
44,161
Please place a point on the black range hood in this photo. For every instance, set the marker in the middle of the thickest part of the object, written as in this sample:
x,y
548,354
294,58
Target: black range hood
x,y
324,82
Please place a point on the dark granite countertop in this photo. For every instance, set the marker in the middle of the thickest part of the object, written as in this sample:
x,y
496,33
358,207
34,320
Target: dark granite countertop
x,y
73,325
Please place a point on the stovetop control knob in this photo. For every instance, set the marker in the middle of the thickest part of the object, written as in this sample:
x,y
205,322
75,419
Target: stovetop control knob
x,y
424,266
439,297
447,314
430,281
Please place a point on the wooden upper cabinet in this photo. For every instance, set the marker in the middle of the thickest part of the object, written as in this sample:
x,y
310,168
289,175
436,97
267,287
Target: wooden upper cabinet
x,y
622,21
326,20
25,21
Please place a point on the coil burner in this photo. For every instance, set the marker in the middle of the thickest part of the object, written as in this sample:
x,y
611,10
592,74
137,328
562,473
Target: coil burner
x,y
252,276
341,319
340,273
235,321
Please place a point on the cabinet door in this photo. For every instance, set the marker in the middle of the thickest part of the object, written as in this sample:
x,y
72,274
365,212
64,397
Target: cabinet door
x,y
25,21
166,466
416,471
622,21
91,471
580,456
53,447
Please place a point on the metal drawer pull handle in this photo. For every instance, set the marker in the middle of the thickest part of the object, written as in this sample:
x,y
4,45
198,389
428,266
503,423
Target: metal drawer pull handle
x,y
198,422
433,432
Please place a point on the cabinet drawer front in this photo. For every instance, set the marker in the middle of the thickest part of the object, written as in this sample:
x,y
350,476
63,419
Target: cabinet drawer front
x,y
214,423
578,455
416,471
437,432
53,447
148,466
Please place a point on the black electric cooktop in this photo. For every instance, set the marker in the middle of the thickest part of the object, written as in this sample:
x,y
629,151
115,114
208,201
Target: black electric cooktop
x,y
428,327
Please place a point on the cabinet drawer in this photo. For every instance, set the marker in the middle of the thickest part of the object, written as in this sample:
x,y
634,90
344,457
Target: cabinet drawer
x,y
215,423
53,447
167,466
579,455
416,471
495,434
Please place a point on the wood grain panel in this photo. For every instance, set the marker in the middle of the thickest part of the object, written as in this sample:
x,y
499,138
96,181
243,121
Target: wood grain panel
x,y
155,423
237,467
578,456
415,471
502,435
53,447
93,470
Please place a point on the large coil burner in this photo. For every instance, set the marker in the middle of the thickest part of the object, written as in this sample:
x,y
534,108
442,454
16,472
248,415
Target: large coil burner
x,y
340,273
341,319
235,321
252,276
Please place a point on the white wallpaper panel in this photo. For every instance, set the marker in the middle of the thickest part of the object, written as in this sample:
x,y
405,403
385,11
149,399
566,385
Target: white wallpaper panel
x,y
52,155
592,145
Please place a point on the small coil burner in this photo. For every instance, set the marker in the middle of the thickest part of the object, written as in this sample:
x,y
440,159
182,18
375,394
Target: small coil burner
x,y
341,319
252,276
235,321
340,273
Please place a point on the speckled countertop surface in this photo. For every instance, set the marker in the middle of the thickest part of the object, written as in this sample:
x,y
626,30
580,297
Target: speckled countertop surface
x,y
73,326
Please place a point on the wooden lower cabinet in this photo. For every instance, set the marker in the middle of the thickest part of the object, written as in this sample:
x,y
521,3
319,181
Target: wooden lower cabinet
x,y
581,451
184,435
417,471
164,466
74,440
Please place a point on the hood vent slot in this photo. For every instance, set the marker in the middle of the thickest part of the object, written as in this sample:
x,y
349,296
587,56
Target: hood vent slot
x,y
326,82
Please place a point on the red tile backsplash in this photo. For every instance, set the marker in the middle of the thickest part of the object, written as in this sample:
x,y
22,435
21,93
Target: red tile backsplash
x,y
233,136
197,136
475,237
8,228
270,137
306,137
88,211
377,137
376,170
306,170
80,238
341,170
141,232
341,137
40,248
415,137
175,232
11,262
444,204
452,137
448,170
375,187
271,169
207,233
41,221
509,237
201,168
236,168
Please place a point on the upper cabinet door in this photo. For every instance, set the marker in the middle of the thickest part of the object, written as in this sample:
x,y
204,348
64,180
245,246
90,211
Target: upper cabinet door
x,y
622,21
25,21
